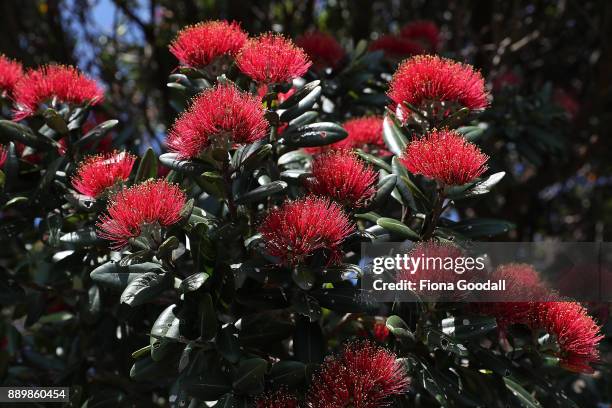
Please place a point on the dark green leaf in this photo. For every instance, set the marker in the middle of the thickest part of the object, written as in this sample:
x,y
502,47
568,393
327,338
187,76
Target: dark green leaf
x,y
394,139
144,288
262,192
55,121
192,282
398,228
288,373
374,160
147,169
482,227
96,133
111,274
15,132
315,134
249,378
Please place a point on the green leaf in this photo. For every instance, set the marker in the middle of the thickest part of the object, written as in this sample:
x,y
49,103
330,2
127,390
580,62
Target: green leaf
x,y
340,273
249,378
15,132
383,190
55,121
193,282
374,160
472,133
300,102
166,247
522,395
466,327
111,274
343,300
207,380
398,228
264,328
164,332
147,169
227,343
172,161
304,277
308,341
314,134
303,119
83,237
208,317
394,139
475,188
482,227
399,328
144,288
262,192
96,133
306,305
369,216
293,156
288,373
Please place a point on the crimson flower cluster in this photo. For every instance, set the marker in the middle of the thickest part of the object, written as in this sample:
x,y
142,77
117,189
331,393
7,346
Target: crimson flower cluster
x,y
342,177
395,47
199,45
154,203
96,174
363,375
425,80
576,333
272,58
322,48
218,116
10,73
425,32
445,156
299,228
278,399
54,84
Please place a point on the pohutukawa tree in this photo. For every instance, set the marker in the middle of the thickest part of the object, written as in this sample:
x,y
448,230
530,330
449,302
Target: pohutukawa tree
x,y
230,264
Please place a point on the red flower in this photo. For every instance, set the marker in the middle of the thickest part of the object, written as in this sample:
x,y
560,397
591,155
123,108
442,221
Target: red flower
x,y
424,31
10,73
98,173
361,376
218,116
322,48
272,58
278,399
445,156
54,84
199,45
576,333
365,133
298,228
135,209
396,47
430,82
342,177
381,332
